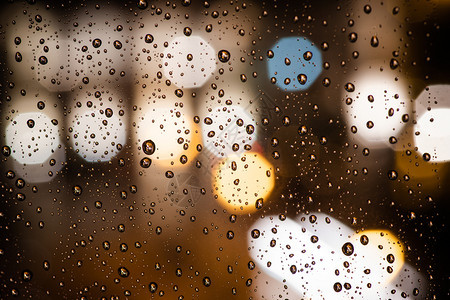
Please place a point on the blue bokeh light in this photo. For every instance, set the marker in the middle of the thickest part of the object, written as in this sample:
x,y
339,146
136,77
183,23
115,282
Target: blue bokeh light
x,y
304,58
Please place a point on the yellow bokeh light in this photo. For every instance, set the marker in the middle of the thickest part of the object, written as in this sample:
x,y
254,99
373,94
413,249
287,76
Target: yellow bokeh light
x,y
240,181
382,255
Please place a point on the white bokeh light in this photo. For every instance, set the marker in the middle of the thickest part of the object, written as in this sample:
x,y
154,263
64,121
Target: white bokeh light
x,y
231,125
95,135
186,71
432,134
32,145
432,115
378,103
307,254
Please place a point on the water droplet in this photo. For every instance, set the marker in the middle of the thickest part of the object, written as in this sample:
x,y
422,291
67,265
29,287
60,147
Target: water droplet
x,y
255,233
18,57
187,31
259,203
270,54
153,287
27,275
148,38
349,87
77,190
30,123
224,55
426,157
374,41
307,55
353,37
394,64
145,162
169,174
347,249
392,174
293,269
367,9
302,78
179,93
390,258
142,4
17,40
364,239
148,147
206,281
96,43
109,112
337,287
123,272
117,44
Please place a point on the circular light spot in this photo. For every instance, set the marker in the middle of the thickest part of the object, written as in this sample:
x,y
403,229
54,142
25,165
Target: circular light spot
x,y
189,61
32,145
294,63
94,135
241,180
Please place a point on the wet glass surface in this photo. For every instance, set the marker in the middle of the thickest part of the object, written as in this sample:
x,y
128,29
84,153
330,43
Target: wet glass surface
x,y
224,149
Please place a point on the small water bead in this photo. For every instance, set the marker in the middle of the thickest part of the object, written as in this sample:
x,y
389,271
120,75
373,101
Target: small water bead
x,y
17,40
123,272
142,4
148,147
224,56
259,203
250,129
370,124
392,175
6,150
187,31
117,44
426,157
27,275
349,87
109,112
353,37
390,258
30,123
179,93
307,55
208,28
394,64
302,78
314,239
77,190
367,9
255,233
364,240
270,54
347,249
293,269
41,105
169,174
18,57
145,162
207,281
337,287
374,41
148,38
96,43
153,287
